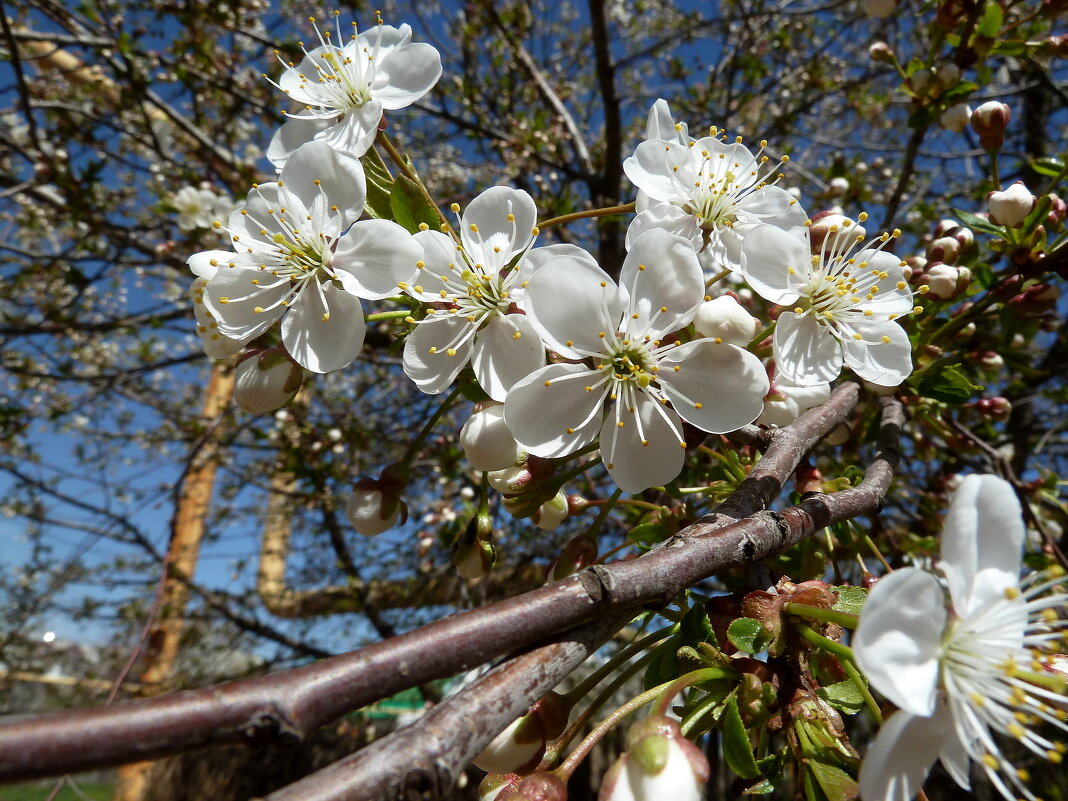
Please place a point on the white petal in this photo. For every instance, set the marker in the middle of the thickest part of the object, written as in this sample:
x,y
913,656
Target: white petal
x,y
340,177
379,254
489,214
894,296
434,372
772,205
540,415
883,354
982,540
899,638
646,450
668,217
571,300
216,344
324,345
439,252
954,758
500,358
290,136
660,124
899,760
409,72
651,169
536,257
806,352
775,263
730,384
232,297
663,278
357,130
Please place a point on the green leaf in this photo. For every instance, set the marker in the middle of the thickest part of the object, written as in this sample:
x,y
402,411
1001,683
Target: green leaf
x,y
648,533
379,186
843,696
746,634
1038,214
409,206
737,751
978,223
948,385
1049,166
960,92
990,22
695,627
850,599
837,785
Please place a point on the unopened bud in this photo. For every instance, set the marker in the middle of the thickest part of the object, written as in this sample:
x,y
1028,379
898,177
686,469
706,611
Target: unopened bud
x,y
881,51
808,478
994,408
372,510
948,76
537,787
473,555
579,553
495,784
551,513
990,121
659,764
837,186
266,380
945,249
486,440
724,318
990,360
510,480
517,749
956,117
1012,206
1034,301
920,80
1058,211
943,280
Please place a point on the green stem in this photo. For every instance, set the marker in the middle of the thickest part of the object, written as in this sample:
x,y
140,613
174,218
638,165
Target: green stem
x,y
843,652
958,322
843,619
626,208
567,767
767,332
413,447
411,174
602,515
717,278
694,677
702,708
994,169
862,687
388,315
583,688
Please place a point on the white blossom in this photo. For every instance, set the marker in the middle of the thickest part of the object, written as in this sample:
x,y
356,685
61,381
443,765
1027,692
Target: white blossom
x,y
621,341
844,304
300,256
345,88
707,190
472,286
965,676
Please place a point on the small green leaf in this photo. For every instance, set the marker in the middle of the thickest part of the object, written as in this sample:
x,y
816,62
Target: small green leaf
x,y
843,696
978,223
948,385
850,599
379,186
408,205
746,634
737,751
648,533
990,22
1050,166
837,785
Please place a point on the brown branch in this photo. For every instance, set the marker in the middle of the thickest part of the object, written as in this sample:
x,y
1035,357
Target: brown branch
x,y
292,704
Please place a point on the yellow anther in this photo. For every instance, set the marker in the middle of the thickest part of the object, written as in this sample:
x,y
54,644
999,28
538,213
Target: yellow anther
x,y
517,335
886,340
455,207
450,352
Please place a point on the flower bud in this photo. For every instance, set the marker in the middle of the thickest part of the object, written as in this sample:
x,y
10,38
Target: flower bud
x,y
994,408
266,380
1012,206
920,80
949,76
724,318
538,787
551,513
486,440
837,186
786,401
956,117
990,121
496,784
944,249
880,9
517,749
659,764
510,480
943,281
880,51
473,554
579,553
1058,211
950,14
373,509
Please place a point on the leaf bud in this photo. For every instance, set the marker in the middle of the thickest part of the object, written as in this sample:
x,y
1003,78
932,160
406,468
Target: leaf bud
x,y
265,380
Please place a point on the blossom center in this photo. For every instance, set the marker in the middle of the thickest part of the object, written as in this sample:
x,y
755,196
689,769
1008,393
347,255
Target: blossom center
x,y
629,361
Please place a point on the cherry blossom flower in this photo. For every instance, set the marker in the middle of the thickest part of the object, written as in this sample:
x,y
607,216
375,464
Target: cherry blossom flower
x,y
787,401
963,675
844,303
473,286
345,89
302,257
199,208
659,764
707,190
620,340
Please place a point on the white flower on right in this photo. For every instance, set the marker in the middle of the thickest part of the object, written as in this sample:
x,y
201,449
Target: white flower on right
x,y
621,340
707,190
845,304
963,675
346,88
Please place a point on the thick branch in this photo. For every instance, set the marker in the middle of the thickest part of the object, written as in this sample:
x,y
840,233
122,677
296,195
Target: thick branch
x,y
292,704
